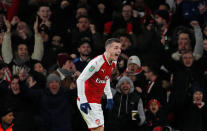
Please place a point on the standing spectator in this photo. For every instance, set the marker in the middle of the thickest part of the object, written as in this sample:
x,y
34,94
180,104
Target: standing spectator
x,y
185,41
21,58
126,100
85,51
86,30
154,89
4,85
196,111
24,112
54,105
67,71
155,120
135,71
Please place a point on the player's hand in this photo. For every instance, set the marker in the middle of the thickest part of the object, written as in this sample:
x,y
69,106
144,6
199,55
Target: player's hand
x,y
109,104
85,107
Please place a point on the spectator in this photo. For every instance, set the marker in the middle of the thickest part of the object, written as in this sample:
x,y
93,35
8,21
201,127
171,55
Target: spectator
x,y
24,112
196,113
67,71
186,72
4,85
185,41
86,30
85,51
21,58
155,120
126,100
154,90
7,117
54,105
135,71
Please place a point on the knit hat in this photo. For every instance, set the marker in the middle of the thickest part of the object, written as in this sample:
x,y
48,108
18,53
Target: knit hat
x,y
52,77
162,13
135,60
62,58
4,110
152,101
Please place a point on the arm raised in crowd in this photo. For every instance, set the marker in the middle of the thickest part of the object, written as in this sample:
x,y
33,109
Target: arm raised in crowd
x,y
38,47
6,44
198,50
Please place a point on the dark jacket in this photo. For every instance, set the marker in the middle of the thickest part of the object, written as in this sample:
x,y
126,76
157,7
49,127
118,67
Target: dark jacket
x,y
120,117
54,110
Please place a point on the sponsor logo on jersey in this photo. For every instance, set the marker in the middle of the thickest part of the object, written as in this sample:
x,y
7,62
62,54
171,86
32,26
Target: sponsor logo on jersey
x,y
100,81
91,68
98,122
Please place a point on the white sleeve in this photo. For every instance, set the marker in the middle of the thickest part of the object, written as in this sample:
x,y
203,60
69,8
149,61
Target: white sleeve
x,y
89,70
107,90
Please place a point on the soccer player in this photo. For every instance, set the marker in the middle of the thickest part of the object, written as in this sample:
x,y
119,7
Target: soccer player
x,y
93,81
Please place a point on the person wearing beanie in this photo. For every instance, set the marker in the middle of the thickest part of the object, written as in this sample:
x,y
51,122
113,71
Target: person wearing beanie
x,y
124,111
54,104
6,119
67,71
135,71
154,117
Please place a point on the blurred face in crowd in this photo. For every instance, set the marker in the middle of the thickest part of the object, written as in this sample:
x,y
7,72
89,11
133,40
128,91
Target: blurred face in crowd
x,y
154,107
56,40
113,50
38,67
125,42
44,12
54,86
8,118
85,49
22,28
15,86
205,31
22,51
81,11
183,42
125,87
132,67
187,59
127,12
205,44
70,66
198,96
83,24
159,20
147,73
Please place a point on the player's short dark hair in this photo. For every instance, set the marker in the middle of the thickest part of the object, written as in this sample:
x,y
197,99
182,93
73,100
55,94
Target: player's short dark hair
x,y
111,40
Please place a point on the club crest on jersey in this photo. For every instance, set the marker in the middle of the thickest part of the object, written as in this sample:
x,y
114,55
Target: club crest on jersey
x,y
98,122
91,68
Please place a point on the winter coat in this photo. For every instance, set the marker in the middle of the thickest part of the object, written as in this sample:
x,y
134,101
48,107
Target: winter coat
x,y
120,117
54,110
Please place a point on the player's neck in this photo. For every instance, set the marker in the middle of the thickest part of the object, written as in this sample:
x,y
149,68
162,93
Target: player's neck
x,y
108,58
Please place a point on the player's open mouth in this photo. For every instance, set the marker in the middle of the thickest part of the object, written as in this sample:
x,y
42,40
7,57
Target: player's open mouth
x,y
116,54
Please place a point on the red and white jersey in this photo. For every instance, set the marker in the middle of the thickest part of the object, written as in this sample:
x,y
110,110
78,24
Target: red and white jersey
x,y
94,80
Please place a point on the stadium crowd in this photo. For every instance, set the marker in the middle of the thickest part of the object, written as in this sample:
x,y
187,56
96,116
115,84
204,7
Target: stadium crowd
x,y
160,81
